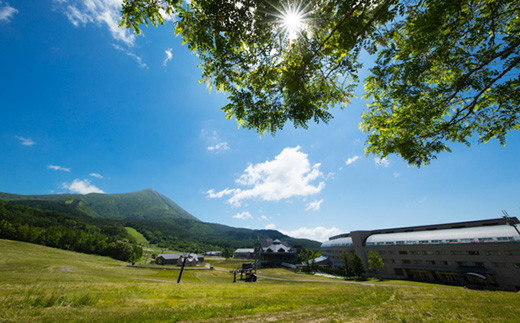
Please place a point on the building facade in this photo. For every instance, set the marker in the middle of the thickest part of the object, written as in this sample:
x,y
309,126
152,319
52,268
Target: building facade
x,y
483,254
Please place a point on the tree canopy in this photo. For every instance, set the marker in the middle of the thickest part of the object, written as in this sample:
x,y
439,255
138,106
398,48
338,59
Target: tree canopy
x,y
445,71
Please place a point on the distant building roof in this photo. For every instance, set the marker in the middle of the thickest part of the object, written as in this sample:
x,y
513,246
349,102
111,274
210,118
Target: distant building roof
x,y
340,242
245,250
277,247
495,233
170,255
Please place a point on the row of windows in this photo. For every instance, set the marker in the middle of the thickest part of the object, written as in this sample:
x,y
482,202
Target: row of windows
x,y
449,263
453,252
466,240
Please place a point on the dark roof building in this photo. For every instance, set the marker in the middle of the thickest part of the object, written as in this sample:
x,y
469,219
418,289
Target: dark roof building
x,y
482,253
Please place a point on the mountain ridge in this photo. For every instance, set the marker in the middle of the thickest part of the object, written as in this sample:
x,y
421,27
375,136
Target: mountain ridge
x,y
155,216
146,204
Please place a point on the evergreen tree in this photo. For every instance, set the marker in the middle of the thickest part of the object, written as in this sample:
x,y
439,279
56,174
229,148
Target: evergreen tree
x,y
356,264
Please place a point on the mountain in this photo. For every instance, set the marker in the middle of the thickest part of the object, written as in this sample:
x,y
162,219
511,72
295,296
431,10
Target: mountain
x,y
158,218
143,205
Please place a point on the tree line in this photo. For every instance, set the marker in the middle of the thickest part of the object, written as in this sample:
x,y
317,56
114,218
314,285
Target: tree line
x,y
53,229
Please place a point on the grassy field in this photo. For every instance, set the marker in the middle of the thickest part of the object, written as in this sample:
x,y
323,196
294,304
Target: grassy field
x,y
44,284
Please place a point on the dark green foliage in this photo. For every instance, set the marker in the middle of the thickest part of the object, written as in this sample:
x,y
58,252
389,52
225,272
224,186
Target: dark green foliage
x,y
146,204
375,263
58,230
356,265
347,271
227,253
172,232
447,71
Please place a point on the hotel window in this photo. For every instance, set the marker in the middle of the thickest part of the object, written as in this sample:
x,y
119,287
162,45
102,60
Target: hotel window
x,y
512,253
389,243
452,240
499,264
493,253
406,261
428,252
399,242
415,252
436,241
430,262
516,266
485,239
411,242
466,240
462,263
417,261
456,252
390,252
403,252
382,252
504,238
479,264
423,241
473,253
441,252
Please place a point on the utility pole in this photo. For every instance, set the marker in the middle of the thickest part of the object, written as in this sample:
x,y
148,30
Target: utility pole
x,y
182,268
510,221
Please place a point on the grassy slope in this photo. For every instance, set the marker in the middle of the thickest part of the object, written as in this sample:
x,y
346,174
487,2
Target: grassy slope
x,y
40,283
139,238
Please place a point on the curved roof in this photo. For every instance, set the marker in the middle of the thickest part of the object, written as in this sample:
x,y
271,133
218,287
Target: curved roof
x,y
340,242
497,233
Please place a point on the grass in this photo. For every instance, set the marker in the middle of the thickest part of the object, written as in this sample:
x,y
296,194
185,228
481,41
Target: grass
x,y
44,284
139,238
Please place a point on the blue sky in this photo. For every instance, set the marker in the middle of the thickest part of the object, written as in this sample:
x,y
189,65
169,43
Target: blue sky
x,y
87,107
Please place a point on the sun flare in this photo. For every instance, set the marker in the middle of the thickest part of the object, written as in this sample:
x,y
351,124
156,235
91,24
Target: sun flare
x,y
293,22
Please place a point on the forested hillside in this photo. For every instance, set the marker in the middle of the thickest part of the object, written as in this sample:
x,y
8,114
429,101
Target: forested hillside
x,y
161,221
53,229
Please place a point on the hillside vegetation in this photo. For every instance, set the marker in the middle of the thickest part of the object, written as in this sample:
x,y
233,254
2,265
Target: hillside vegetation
x,y
146,204
45,284
162,222
58,230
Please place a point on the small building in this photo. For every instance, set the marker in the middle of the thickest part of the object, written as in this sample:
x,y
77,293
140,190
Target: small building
x,y
177,259
277,253
244,253
213,253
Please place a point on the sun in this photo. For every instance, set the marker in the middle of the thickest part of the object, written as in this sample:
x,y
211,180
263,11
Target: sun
x,y
292,18
292,21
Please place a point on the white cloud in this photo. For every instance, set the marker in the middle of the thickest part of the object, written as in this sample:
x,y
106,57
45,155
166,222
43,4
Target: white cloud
x,y
96,175
56,167
216,195
264,218
270,226
219,147
289,174
396,174
351,160
99,12
317,233
26,141
214,141
315,206
6,12
382,162
169,56
138,59
243,216
81,187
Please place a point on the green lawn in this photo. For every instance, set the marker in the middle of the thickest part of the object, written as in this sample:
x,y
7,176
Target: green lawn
x,y
44,284
139,238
